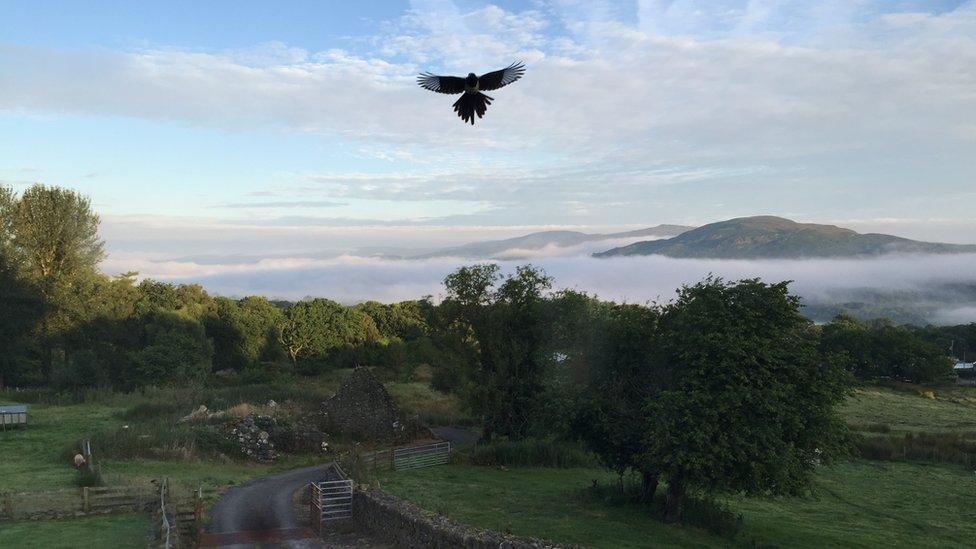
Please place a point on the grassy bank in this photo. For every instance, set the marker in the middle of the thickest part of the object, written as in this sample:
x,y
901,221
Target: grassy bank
x,y
116,531
859,504
953,409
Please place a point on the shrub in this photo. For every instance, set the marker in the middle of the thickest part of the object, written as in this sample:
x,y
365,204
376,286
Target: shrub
x,y
870,427
934,447
149,410
88,478
531,453
699,510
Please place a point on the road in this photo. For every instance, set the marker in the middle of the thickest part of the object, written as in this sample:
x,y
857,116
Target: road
x,y
261,513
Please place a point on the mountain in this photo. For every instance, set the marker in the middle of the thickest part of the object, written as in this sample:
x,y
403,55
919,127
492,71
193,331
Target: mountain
x,y
522,245
775,237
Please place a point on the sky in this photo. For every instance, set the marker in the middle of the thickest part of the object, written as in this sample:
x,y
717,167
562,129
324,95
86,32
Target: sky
x,y
295,131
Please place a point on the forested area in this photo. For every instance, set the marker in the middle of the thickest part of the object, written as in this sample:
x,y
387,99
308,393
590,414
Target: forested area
x,y
733,363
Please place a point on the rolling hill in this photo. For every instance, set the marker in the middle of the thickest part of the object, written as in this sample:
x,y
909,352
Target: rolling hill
x,y
776,237
513,248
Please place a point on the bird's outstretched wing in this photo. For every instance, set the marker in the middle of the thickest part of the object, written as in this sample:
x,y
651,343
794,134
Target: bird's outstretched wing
x,y
441,84
496,79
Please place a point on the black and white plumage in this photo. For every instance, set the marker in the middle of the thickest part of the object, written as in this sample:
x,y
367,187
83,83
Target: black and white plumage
x,y
472,101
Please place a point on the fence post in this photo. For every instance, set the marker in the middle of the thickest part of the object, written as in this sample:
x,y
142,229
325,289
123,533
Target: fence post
x,y
8,505
198,512
311,507
87,505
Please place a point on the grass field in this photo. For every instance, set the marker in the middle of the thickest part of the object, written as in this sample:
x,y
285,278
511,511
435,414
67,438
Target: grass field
x,y
952,409
34,458
859,504
115,531
853,504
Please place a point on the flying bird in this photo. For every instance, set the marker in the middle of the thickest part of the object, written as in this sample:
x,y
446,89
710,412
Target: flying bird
x,y
472,101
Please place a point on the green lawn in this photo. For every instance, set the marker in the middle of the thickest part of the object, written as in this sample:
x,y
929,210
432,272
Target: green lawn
x,y
953,409
115,531
860,504
32,457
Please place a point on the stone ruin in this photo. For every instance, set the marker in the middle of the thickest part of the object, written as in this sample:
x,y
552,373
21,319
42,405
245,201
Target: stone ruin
x,y
254,439
364,410
263,438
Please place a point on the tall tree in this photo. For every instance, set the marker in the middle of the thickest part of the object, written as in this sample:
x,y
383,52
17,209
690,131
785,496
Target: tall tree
x,y
623,376
55,239
20,303
313,329
751,404
510,327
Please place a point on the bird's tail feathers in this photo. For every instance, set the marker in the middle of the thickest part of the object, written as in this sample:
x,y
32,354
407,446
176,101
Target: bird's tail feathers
x,y
471,104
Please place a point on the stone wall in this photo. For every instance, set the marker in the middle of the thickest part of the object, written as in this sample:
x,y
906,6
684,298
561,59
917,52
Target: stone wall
x,y
411,527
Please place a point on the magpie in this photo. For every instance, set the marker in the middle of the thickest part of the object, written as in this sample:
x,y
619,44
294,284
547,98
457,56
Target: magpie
x,y
472,101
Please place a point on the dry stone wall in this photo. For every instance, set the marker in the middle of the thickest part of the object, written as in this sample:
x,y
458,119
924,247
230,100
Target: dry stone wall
x,y
411,527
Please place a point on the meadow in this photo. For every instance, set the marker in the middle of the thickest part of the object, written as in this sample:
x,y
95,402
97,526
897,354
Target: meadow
x,y
122,531
854,503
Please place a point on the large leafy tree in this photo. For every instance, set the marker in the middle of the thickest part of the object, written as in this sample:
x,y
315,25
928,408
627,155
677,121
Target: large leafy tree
x,y
172,350
20,302
508,323
313,329
623,376
882,350
749,405
53,236
244,332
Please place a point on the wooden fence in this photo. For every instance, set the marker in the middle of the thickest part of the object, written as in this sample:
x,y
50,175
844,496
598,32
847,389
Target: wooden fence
x,y
68,502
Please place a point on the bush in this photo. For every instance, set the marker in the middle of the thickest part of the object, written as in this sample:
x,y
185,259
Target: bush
x,y
162,440
934,447
88,478
531,453
150,410
699,510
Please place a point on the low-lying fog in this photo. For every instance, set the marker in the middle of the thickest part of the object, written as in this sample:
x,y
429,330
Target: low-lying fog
x,y
932,288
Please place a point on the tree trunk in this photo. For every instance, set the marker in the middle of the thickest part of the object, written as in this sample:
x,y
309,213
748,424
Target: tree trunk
x,y
486,432
675,499
648,487
47,362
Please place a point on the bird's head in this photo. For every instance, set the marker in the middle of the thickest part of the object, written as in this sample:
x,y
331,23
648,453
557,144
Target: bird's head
x,y
471,80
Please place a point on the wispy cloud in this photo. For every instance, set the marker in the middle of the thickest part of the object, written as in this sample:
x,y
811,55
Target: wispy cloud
x,y
283,204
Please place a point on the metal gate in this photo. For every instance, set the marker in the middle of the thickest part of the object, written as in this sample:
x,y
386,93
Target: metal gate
x,y
331,500
412,457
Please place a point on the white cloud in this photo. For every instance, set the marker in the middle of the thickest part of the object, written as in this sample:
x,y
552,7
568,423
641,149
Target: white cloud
x,y
691,109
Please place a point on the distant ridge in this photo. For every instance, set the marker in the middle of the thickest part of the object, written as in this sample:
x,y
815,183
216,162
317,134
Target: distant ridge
x,y
775,237
536,241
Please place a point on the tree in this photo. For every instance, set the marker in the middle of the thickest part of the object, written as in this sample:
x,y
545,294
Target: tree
x,y
53,236
749,405
510,328
173,350
20,302
245,332
623,376
313,329
395,321
879,350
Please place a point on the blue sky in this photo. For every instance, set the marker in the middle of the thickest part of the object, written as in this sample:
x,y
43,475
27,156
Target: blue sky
x,y
295,128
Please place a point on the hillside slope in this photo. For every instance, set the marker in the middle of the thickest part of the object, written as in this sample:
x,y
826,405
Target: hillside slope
x,y
537,241
776,237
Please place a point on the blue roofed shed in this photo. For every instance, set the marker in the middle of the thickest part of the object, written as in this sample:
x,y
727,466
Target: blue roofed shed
x,y
12,415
